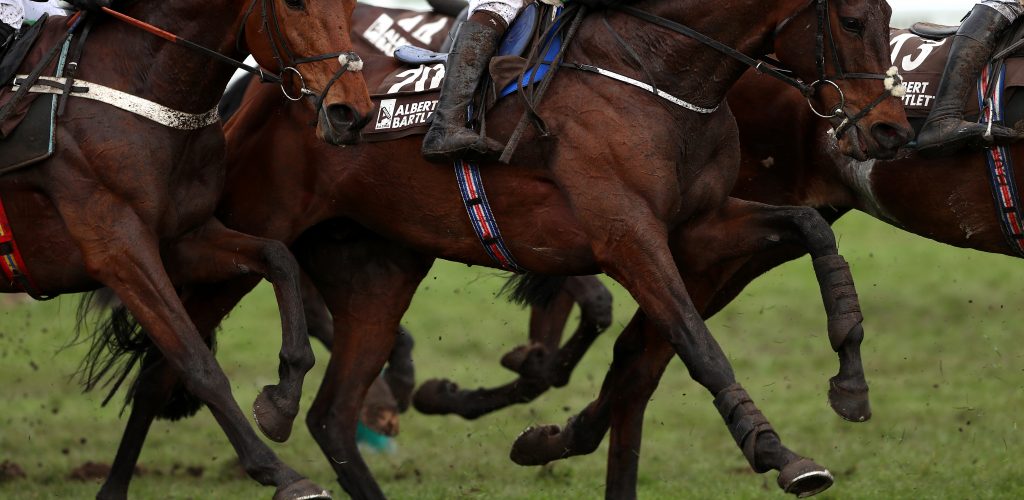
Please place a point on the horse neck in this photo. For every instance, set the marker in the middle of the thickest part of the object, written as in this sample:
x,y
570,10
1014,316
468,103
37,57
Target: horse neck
x,y
686,67
170,74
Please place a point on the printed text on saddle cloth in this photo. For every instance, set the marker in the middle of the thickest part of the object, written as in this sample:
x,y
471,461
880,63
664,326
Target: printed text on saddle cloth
x,y
922,61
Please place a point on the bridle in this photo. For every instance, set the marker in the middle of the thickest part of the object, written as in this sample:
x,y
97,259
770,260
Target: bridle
x,y
893,81
838,116
286,58
289,62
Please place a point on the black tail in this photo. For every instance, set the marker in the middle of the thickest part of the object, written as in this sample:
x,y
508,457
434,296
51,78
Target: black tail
x,y
534,290
117,345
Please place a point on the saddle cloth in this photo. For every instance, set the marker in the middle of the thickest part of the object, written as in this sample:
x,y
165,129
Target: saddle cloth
x,y
406,97
922,61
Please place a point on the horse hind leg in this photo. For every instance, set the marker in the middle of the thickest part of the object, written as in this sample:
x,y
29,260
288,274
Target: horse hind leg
x,y
214,253
541,364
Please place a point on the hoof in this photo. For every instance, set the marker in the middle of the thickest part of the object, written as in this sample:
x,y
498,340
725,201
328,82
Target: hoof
x,y
271,418
804,478
515,358
436,397
851,405
303,489
539,445
526,360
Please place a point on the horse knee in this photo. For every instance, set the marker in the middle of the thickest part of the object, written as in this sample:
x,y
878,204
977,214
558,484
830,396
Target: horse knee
x,y
815,229
279,259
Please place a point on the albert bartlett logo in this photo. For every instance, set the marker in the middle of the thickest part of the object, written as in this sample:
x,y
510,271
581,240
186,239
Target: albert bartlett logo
x,y
387,113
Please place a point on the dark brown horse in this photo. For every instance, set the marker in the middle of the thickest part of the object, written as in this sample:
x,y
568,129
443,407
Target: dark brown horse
x,y
128,203
794,161
631,186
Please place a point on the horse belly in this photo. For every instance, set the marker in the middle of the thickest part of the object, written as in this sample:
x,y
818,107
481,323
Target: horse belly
x,y
418,204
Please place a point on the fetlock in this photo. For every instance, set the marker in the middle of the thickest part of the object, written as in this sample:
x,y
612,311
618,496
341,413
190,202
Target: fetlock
x,y
745,422
945,131
448,137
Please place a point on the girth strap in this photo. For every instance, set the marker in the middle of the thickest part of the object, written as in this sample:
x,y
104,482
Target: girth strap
x,y
1000,166
122,100
471,186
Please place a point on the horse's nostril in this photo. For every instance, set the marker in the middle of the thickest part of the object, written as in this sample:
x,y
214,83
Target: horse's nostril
x,y
340,115
889,136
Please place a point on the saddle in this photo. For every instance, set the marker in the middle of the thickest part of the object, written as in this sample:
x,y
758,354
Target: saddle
x,y
28,134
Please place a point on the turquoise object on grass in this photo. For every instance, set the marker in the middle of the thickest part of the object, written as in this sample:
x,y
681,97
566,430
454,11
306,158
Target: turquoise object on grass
x,y
373,440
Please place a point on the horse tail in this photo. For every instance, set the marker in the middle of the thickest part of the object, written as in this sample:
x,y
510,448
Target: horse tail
x,y
117,344
534,290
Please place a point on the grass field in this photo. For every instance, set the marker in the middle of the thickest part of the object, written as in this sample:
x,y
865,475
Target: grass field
x,y
942,355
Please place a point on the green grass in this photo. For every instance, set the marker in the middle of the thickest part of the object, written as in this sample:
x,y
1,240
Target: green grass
x,y
942,356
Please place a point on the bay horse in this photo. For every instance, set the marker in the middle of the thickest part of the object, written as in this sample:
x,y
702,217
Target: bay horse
x,y
791,162
580,203
128,203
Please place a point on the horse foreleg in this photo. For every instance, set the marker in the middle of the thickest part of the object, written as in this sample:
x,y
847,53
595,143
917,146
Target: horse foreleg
x,y
214,253
157,382
125,257
754,227
318,319
368,285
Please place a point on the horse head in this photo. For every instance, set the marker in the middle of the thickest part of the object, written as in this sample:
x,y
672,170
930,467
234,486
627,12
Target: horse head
x,y
307,43
842,47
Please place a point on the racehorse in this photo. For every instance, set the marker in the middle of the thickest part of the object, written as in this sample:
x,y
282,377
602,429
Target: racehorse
x,y
781,165
128,203
576,204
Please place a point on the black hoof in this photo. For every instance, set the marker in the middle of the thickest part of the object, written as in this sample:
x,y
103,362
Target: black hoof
x,y
804,478
303,489
539,445
436,397
852,405
272,419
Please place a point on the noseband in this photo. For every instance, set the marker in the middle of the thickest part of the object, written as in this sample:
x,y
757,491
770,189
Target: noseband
x,y
838,116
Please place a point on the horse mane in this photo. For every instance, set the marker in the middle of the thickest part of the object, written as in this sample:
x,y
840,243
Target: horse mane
x,y
117,344
534,290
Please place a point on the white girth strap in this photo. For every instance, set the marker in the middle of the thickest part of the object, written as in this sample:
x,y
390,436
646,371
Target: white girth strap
x,y
158,113
636,83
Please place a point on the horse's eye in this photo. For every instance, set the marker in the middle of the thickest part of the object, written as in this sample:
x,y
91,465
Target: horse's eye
x,y
295,4
852,25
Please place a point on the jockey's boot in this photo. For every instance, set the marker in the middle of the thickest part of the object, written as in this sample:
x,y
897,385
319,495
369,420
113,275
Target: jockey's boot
x,y
945,130
6,37
449,138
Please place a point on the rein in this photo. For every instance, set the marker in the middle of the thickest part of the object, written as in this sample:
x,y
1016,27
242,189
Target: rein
x,y
770,67
350,61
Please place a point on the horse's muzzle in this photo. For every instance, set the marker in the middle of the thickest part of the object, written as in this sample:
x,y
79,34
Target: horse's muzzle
x,y
340,124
